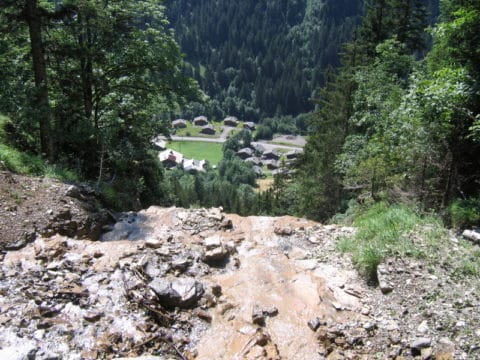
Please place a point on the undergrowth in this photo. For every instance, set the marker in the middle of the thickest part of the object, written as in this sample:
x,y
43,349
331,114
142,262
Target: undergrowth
x,y
24,163
385,230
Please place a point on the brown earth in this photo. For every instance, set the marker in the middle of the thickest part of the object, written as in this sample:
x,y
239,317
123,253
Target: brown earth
x,y
32,207
200,284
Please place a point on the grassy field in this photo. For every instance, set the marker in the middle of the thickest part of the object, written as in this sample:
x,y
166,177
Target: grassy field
x,y
194,131
198,150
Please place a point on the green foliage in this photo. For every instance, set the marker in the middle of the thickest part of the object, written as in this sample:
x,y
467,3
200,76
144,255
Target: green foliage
x,y
385,230
464,213
110,67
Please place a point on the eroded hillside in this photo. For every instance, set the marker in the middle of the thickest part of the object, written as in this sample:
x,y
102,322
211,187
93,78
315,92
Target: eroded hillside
x,y
200,284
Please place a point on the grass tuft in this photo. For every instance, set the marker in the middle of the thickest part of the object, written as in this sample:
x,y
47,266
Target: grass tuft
x,y
385,230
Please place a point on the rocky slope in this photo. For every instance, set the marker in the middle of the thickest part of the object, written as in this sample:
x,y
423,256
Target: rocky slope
x,y
200,284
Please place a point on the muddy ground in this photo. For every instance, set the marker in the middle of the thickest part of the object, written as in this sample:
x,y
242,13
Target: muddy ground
x,y
200,284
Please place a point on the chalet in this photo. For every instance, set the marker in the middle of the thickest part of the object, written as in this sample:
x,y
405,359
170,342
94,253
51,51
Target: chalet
x,y
170,158
194,165
179,124
200,121
244,153
271,155
258,171
159,142
259,148
292,155
282,171
271,164
249,125
254,161
230,121
207,130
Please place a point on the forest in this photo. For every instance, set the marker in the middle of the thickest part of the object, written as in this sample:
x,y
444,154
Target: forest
x,y
387,90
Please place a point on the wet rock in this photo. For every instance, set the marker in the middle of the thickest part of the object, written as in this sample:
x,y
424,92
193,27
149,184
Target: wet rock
x,y
182,293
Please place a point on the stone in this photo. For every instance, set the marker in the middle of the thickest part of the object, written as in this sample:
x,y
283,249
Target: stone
x,y
181,264
153,243
212,242
215,255
314,324
283,231
426,353
383,282
93,316
202,314
189,290
73,192
226,224
258,317
472,235
420,343
270,311
423,327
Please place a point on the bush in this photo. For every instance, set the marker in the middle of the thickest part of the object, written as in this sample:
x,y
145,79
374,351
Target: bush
x,y
464,213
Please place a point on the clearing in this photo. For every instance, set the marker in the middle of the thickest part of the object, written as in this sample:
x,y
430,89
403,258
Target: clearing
x,y
199,150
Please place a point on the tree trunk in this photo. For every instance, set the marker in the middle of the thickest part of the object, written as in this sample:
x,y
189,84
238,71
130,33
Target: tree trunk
x,y
40,74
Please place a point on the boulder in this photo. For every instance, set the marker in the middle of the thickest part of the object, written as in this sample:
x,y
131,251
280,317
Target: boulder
x,y
183,292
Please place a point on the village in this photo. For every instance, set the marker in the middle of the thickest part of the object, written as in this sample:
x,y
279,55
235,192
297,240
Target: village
x,y
265,157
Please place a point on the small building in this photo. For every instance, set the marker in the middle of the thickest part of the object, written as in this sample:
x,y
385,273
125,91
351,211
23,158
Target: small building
x,y
160,143
254,161
194,165
200,121
282,171
258,171
271,155
292,155
249,125
207,130
259,148
244,153
271,164
230,121
179,124
170,158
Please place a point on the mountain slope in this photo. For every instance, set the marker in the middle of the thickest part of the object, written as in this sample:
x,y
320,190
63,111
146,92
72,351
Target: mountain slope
x,y
262,58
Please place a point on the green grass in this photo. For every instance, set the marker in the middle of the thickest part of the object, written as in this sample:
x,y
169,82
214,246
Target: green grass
x,y
199,150
390,231
194,131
